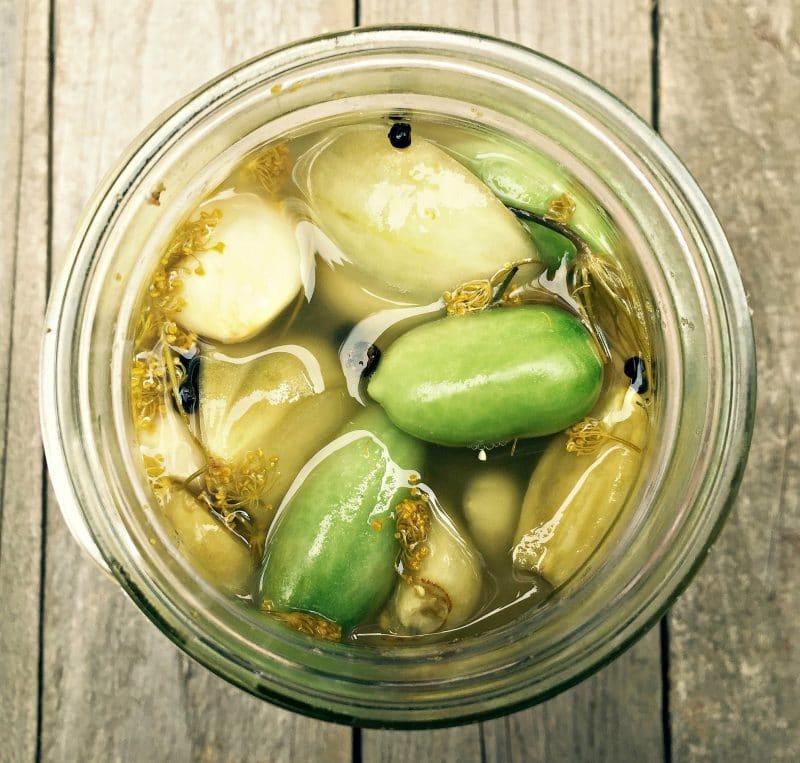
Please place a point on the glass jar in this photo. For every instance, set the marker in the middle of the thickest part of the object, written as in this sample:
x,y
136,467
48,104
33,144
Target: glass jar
x,y
703,341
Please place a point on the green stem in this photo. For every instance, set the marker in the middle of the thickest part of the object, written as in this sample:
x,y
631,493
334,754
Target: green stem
x,y
577,241
504,284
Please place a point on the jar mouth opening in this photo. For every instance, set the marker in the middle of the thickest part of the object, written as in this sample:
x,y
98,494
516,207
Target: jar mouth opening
x,y
337,681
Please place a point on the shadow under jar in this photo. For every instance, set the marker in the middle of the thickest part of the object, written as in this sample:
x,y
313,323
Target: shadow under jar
x,y
672,247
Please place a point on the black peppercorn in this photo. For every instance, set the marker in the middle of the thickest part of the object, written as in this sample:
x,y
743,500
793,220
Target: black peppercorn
x,y
364,357
636,371
400,135
373,356
188,391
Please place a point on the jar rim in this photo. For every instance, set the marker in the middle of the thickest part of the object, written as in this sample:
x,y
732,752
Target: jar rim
x,y
61,404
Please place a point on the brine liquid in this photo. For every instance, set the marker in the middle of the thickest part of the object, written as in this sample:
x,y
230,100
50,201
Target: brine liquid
x,y
344,319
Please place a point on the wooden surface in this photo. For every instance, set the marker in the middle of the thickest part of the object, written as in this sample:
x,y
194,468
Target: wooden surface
x,y
734,660
84,677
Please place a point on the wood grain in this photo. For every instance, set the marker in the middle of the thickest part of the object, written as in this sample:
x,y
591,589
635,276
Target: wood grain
x,y
115,688
23,269
615,715
609,41
730,74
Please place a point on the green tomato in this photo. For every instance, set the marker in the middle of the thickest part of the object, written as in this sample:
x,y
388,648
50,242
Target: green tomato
x,y
553,247
521,177
490,377
331,551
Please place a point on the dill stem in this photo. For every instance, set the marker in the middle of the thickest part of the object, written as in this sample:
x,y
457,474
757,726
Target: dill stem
x,y
192,477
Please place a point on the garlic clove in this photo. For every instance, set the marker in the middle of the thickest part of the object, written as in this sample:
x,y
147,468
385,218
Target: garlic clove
x,y
575,497
214,551
446,590
243,399
168,440
318,418
345,292
492,502
249,272
413,220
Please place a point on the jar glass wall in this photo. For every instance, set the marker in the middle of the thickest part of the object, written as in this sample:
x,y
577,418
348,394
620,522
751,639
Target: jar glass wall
x,y
677,250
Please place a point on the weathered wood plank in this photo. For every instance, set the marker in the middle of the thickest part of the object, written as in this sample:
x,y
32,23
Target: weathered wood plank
x,y
23,268
730,84
12,90
615,715
116,689
609,42
729,79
